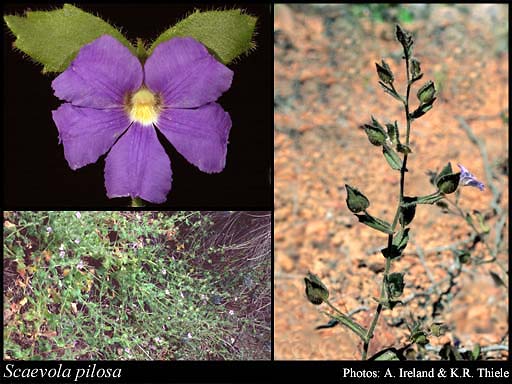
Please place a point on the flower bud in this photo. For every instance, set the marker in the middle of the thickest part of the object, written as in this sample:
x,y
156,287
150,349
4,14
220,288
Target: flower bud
x,y
376,136
415,69
405,38
427,92
356,201
316,291
448,183
384,72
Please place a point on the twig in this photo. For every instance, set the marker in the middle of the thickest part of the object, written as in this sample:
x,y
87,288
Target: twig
x,y
421,255
357,310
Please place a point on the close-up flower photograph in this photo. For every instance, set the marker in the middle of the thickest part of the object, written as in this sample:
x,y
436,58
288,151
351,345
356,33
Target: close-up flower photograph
x,y
114,106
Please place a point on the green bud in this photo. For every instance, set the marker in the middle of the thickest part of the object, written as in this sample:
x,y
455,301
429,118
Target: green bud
x,y
356,201
402,148
448,183
316,291
405,38
393,132
427,92
376,136
395,285
416,69
384,72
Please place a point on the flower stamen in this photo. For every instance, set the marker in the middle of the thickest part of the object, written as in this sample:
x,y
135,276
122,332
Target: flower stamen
x,y
144,107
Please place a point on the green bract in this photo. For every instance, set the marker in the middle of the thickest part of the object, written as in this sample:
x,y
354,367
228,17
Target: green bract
x,y
316,291
53,38
426,92
227,34
448,183
356,201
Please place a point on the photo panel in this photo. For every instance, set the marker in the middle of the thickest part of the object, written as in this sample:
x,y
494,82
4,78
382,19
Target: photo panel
x,y
187,125
137,285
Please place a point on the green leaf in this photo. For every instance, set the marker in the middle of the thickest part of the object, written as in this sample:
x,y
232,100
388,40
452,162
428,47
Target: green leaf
x,y
391,92
429,199
395,285
375,223
384,72
227,34
391,252
349,323
448,183
376,136
398,245
316,291
438,329
356,201
402,148
393,133
422,109
407,211
447,169
449,352
401,239
388,354
392,158
475,354
53,38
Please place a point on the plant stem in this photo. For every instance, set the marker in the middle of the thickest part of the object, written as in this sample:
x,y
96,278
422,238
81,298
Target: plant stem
x,y
137,202
387,268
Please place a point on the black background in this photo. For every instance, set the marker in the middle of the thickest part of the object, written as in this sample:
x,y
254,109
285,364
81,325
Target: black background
x,y
38,176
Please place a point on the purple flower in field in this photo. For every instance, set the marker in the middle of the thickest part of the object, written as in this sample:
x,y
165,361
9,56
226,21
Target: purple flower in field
x,y
115,103
467,178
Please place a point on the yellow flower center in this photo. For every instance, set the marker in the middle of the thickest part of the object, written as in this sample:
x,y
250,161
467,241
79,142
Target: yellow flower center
x,y
143,107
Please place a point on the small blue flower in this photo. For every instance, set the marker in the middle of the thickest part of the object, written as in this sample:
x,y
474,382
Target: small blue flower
x,y
467,178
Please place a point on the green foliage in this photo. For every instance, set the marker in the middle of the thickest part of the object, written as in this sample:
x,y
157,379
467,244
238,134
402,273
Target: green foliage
x,y
227,34
53,38
392,158
375,223
383,12
124,285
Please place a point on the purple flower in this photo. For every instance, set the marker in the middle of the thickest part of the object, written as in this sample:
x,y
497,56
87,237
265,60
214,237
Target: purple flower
x,y
467,178
115,103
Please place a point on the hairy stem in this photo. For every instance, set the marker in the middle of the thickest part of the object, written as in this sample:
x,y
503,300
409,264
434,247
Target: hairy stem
x,y
387,268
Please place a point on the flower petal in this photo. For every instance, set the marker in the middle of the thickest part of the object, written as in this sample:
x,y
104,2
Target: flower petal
x,y
468,179
88,133
200,135
137,166
186,75
101,74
